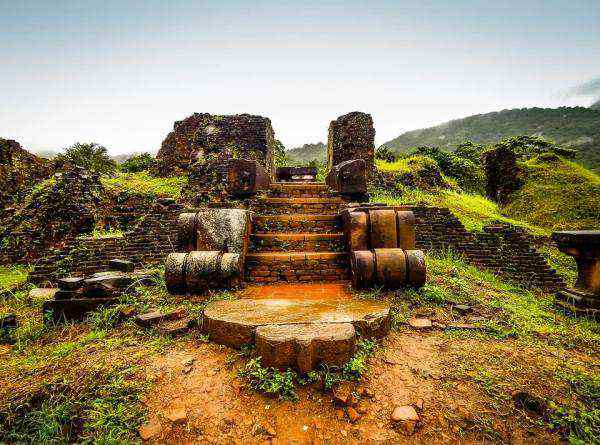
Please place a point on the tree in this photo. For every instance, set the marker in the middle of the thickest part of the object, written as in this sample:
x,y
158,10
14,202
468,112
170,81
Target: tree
x,y
91,156
137,163
279,152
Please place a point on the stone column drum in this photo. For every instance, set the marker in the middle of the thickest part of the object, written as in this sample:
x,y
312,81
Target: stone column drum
x,y
584,246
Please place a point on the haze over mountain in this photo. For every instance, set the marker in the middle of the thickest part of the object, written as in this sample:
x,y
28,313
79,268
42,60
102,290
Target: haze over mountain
x,y
575,127
307,153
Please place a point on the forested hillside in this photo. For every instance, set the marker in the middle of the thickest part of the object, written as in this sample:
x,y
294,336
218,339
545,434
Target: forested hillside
x,y
575,127
307,153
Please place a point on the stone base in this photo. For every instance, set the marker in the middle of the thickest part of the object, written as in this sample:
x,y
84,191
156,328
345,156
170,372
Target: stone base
x,y
578,302
296,333
74,309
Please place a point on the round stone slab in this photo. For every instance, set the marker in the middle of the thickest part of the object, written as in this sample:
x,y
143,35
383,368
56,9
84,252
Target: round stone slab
x,y
233,322
305,346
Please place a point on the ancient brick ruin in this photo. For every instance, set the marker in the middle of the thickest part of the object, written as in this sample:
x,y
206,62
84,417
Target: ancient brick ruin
x,y
502,174
352,136
251,228
19,170
584,246
202,136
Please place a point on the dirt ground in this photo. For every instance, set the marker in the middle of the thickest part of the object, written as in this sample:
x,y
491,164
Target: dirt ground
x,y
206,402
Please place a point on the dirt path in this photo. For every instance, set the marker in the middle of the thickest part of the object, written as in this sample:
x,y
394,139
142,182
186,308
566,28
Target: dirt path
x,y
207,403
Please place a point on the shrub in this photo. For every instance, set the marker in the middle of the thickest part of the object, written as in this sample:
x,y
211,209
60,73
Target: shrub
x,y
137,163
91,156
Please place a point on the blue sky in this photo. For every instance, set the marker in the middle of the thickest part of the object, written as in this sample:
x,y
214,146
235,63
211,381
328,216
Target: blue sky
x,y
121,72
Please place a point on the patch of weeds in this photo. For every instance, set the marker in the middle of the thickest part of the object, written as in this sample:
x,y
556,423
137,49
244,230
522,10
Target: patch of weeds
x,y
580,422
100,408
282,383
357,365
269,380
13,275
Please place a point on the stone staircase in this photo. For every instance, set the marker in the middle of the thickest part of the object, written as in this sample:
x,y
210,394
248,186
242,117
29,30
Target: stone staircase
x,y
297,236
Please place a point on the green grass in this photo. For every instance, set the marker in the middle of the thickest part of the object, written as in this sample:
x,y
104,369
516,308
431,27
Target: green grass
x,y
13,276
143,183
557,195
473,210
511,310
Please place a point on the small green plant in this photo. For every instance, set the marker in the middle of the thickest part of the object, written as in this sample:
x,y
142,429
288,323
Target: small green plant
x,y
269,380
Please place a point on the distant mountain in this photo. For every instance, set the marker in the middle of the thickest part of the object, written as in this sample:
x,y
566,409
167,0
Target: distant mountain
x,y
307,153
575,127
595,105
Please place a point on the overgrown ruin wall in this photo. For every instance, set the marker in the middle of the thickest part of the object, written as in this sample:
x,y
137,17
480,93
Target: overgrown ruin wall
x,y
501,248
152,238
502,174
19,170
352,136
202,136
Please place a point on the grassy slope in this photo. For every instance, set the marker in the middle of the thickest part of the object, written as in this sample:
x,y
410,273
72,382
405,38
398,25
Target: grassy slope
x,y
567,126
558,195
144,183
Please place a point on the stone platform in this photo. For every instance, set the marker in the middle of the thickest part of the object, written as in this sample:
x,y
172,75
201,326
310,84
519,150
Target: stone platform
x,y
294,332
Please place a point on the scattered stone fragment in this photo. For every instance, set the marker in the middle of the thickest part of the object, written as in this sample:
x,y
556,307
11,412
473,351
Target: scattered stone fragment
x,y
42,293
420,323
127,312
150,429
74,309
177,415
419,404
174,327
462,308
343,394
353,415
362,407
263,429
8,321
366,392
406,417
121,265
155,317
70,283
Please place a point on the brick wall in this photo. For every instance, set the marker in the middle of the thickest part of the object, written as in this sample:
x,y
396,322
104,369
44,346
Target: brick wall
x,y
501,248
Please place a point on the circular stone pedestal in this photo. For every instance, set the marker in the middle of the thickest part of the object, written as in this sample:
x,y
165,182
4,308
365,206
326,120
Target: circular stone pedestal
x,y
296,333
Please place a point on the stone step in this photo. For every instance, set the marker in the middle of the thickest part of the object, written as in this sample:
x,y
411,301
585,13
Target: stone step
x,y
297,267
300,190
314,222
271,206
283,242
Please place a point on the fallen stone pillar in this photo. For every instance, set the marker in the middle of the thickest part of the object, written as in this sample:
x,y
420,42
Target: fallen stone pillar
x,y
198,271
584,246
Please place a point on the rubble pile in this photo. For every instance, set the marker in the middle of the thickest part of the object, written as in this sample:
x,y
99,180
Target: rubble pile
x,y
62,207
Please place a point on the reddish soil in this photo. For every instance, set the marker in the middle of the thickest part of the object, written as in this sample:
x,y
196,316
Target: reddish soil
x,y
410,368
